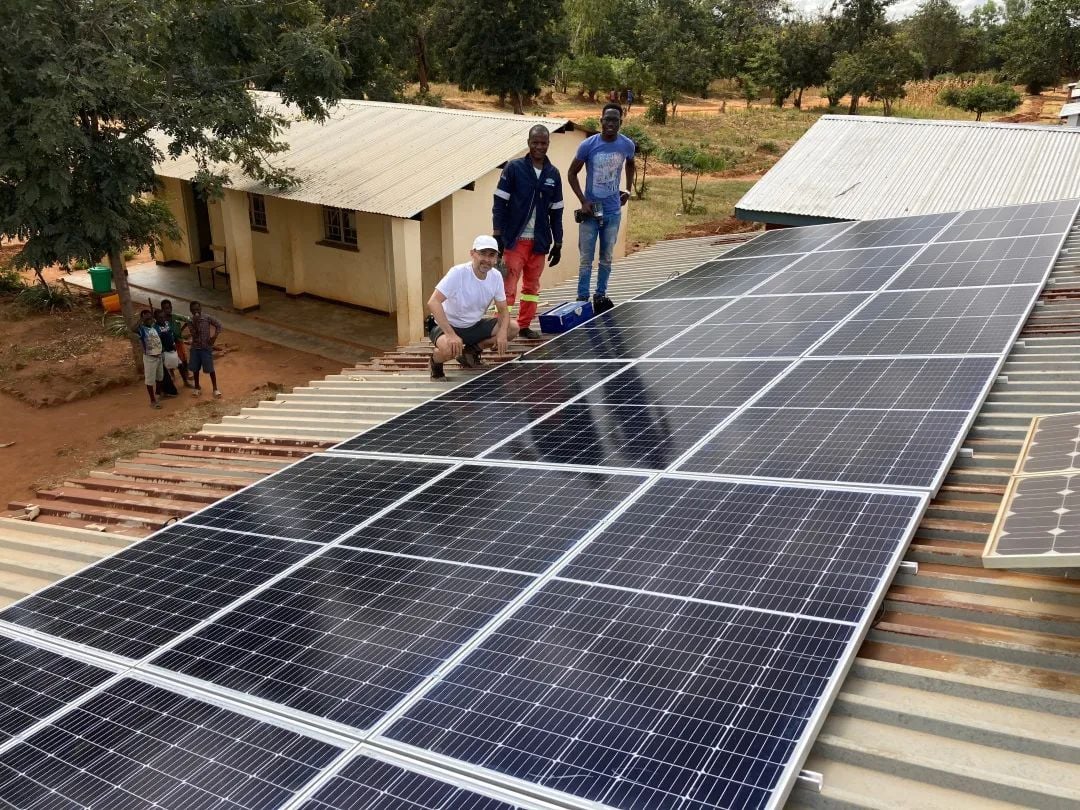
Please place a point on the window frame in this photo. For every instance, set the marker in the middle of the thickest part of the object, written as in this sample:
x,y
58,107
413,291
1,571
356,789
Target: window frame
x,y
257,212
339,228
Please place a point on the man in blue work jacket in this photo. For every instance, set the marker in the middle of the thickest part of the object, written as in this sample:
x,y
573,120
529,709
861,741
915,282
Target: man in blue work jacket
x,y
526,221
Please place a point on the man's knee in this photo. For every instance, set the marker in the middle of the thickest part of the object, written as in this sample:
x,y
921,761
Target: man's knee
x,y
512,331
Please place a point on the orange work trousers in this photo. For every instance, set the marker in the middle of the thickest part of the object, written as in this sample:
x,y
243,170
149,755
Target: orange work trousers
x,y
525,266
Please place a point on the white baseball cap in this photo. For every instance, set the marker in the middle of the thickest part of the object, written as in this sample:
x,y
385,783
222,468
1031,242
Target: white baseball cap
x,y
485,242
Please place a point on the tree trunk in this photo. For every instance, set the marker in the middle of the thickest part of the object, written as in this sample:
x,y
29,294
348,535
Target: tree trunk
x,y
978,115
127,306
422,63
853,107
519,103
798,99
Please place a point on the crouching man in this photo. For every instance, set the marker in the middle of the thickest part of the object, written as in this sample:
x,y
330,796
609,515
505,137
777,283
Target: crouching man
x,y
458,306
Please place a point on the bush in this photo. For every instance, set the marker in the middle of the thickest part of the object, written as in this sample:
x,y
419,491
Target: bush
x,y
656,113
46,298
590,125
129,254
10,280
980,98
769,147
115,326
427,99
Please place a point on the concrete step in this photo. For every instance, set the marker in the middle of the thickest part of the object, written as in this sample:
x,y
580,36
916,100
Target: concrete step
x,y
968,767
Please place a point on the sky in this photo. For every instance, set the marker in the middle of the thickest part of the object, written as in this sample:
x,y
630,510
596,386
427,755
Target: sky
x,y
899,9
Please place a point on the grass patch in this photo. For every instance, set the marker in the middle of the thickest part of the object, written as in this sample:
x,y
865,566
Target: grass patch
x,y
660,214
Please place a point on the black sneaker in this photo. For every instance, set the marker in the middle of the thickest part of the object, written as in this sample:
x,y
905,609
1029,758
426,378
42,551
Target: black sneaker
x,y
529,334
437,372
601,304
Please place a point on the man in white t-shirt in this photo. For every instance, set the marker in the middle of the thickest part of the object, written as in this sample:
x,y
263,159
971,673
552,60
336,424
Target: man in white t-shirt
x,y
458,305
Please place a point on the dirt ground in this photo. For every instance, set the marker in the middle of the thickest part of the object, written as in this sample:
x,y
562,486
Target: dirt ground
x,y
44,438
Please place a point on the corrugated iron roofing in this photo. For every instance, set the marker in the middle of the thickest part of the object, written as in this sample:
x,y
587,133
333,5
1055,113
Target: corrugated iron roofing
x,y
393,159
867,167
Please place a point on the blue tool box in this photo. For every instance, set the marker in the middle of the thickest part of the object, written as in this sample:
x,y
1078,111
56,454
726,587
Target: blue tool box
x,y
565,316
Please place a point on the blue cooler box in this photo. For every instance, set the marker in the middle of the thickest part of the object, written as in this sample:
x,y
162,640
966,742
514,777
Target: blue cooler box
x,y
565,316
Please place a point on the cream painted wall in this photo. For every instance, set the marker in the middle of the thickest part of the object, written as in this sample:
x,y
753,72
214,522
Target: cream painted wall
x,y
271,249
360,277
178,196
432,265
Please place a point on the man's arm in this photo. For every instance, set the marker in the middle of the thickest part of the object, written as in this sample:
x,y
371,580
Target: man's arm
x,y
631,173
435,305
555,217
214,322
575,184
502,327
501,204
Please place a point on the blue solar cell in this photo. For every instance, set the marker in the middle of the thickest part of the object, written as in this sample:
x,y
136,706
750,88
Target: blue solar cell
x,y
137,745
346,636
705,383
34,683
633,700
464,518
532,382
641,437
146,595
318,498
370,784
815,552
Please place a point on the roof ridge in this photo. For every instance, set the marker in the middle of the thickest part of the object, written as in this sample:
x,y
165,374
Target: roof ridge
x,y
948,122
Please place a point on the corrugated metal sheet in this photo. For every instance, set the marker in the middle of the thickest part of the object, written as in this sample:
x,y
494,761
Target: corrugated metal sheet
x,y
866,167
393,159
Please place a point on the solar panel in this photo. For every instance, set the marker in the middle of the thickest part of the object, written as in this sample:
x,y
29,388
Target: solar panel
x,y
502,517
319,498
767,339
929,383
346,636
840,270
688,383
532,382
961,321
373,784
592,341
726,277
789,241
1022,220
788,309
1054,445
1041,518
131,603
634,436
633,700
138,745
889,448
1024,260
882,232
814,552
636,314
440,429
34,683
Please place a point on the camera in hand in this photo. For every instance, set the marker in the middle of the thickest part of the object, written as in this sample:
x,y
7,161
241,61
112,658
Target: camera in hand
x,y
597,214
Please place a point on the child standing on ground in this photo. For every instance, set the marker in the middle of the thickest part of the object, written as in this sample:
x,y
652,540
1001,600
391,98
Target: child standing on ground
x,y
153,368
201,356
169,357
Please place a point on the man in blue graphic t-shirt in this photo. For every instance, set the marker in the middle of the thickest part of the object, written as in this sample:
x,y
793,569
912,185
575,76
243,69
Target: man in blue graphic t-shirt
x,y
604,156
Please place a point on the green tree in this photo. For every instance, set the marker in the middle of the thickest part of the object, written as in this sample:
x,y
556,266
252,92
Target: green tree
x,y
805,54
592,73
646,148
935,30
858,22
980,98
878,71
692,162
504,48
672,41
1043,45
88,90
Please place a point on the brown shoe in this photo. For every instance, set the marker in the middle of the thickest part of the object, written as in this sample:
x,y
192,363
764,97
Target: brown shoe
x,y
470,357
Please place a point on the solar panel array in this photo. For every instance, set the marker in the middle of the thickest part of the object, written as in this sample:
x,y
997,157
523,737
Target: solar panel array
x,y
1038,523
630,570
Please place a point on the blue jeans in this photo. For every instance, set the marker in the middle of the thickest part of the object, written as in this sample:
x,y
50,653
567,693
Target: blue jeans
x,y
588,233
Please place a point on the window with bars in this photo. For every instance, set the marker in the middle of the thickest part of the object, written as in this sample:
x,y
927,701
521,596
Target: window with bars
x,y
340,226
257,212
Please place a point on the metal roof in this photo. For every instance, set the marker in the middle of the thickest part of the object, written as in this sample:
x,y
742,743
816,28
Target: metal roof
x,y
1070,109
392,159
868,167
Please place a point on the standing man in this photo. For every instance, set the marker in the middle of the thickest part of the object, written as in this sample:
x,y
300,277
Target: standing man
x,y
176,323
603,155
202,345
458,306
527,223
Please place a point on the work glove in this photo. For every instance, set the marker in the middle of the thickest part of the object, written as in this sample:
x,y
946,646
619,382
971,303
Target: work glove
x,y
555,255
499,242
